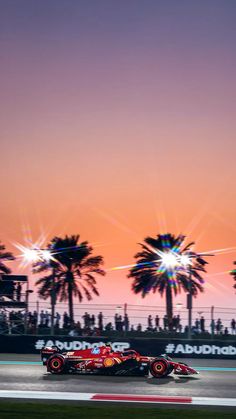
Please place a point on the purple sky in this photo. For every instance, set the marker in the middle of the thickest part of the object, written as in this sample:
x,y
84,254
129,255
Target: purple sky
x,y
118,122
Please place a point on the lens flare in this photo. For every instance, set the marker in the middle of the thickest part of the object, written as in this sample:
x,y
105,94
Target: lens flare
x,y
30,255
33,254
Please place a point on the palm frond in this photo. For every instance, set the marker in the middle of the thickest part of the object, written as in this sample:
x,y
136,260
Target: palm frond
x,y
5,256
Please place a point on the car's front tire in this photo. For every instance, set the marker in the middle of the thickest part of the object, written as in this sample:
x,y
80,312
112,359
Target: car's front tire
x,y
160,368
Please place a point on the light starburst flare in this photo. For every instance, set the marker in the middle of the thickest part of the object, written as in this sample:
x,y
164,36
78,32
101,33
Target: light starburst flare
x,y
33,254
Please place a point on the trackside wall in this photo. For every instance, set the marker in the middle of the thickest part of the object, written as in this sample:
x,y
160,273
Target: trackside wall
x,y
146,346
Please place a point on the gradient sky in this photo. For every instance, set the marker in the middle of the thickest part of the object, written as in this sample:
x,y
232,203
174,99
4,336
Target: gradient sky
x,y
118,122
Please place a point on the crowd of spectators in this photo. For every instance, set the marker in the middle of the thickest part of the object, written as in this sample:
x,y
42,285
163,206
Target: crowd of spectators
x,y
91,325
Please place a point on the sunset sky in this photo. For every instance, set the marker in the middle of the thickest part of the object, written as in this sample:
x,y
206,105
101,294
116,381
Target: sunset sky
x,y
118,122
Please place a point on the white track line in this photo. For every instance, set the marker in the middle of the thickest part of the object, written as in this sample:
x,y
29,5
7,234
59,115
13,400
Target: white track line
x,y
130,398
50,395
213,401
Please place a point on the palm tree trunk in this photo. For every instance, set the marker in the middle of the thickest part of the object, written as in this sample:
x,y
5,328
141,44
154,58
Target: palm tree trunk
x,y
53,300
169,306
70,300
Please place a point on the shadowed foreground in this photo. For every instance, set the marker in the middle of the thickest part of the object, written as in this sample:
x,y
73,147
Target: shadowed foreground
x,y
15,410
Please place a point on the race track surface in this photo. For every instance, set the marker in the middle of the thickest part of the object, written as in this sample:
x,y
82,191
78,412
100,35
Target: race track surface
x,y
217,378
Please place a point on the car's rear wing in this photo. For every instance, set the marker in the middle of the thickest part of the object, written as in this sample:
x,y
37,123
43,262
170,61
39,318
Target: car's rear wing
x,y
47,351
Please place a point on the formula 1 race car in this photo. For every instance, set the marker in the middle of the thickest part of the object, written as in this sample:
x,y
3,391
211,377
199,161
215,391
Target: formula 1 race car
x,y
103,360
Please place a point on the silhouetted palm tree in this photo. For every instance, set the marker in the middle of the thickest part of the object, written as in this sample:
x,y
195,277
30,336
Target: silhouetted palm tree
x,y
73,268
233,273
154,271
4,256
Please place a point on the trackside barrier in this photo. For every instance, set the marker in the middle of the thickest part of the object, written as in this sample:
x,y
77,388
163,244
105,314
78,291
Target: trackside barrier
x,y
146,346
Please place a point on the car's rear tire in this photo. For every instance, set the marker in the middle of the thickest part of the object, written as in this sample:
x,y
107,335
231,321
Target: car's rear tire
x,y
160,368
56,364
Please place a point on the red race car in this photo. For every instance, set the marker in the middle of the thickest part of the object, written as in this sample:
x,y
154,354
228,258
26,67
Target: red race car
x,y
103,360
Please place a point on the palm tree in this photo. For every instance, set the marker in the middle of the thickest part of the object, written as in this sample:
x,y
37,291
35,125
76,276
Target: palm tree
x,y
5,256
71,271
233,273
155,271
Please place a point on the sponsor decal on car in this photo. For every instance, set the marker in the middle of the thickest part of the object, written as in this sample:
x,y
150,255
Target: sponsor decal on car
x,y
108,362
95,351
98,364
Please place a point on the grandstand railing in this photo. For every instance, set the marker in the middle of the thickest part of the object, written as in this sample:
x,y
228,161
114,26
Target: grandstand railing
x,y
137,314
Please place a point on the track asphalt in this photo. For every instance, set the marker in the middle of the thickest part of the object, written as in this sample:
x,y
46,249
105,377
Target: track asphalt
x,y
217,378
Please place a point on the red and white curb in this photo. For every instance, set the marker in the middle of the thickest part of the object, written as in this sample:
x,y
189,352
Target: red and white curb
x,y
137,398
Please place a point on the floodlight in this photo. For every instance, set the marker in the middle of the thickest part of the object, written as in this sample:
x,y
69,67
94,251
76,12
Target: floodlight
x,y
185,260
45,255
30,255
169,260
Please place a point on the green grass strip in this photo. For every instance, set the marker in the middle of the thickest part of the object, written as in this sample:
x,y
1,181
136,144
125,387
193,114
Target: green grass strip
x,y
32,410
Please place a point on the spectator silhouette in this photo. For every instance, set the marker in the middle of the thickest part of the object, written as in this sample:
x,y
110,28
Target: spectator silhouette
x,y
202,324
18,292
233,326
